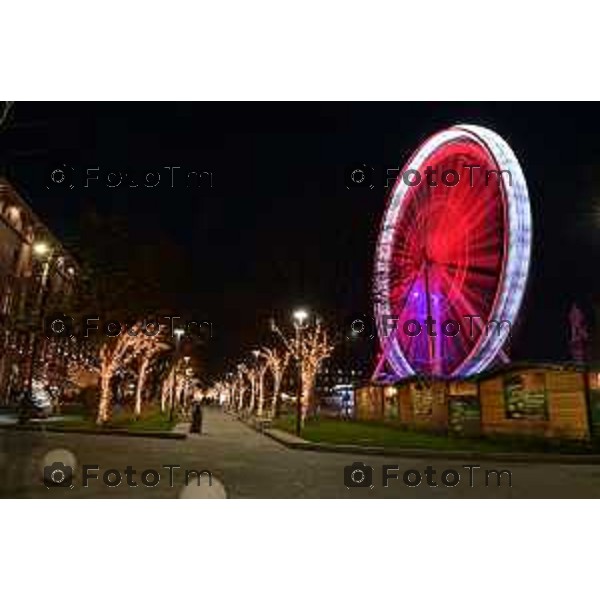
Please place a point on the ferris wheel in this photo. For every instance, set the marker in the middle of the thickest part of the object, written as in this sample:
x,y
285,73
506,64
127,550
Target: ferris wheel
x,y
452,256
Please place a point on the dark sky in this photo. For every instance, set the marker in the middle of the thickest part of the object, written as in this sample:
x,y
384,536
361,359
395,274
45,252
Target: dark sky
x,y
279,228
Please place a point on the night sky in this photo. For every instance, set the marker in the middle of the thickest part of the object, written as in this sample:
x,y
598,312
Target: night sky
x,y
279,228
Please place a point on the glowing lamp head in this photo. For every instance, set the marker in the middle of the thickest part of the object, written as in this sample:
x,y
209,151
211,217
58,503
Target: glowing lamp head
x,y
178,332
41,248
300,316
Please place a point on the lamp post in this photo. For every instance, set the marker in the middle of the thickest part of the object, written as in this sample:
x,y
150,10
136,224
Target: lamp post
x,y
42,251
178,333
186,360
300,317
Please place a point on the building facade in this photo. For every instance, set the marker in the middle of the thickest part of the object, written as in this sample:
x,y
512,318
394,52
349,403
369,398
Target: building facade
x,y
35,272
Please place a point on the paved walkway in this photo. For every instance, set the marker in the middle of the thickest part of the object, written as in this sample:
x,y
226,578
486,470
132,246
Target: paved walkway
x,y
182,428
251,465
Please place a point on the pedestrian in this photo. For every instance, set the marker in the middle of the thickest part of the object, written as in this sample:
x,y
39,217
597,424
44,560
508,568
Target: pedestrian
x,y
196,426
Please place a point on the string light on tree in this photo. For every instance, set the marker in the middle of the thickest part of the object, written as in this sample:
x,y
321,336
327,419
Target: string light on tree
x,y
241,385
150,353
309,347
277,362
116,353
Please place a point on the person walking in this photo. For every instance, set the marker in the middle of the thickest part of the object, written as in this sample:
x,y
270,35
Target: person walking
x,y
196,426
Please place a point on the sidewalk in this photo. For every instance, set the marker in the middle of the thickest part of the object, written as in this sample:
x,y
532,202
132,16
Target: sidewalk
x,y
183,427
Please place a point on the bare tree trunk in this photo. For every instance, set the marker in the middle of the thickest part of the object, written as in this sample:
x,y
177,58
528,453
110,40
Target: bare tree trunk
x,y
308,384
140,386
276,394
252,393
163,397
172,392
261,393
105,398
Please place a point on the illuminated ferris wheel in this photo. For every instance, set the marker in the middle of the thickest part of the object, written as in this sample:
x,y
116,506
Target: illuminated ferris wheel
x,y
453,255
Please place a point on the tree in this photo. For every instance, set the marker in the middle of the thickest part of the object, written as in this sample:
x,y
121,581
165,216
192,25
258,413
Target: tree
x,y
113,353
143,368
261,369
172,385
167,389
118,352
276,361
147,357
310,346
251,375
241,385
231,385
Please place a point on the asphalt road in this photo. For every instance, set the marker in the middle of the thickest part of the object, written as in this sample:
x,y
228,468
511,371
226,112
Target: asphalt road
x,y
250,465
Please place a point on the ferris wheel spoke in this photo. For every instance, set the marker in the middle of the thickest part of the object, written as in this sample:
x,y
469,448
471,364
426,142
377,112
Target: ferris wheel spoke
x,y
464,301
487,247
476,201
469,268
406,296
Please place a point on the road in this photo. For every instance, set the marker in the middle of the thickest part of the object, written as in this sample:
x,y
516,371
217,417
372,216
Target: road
x,y
251,465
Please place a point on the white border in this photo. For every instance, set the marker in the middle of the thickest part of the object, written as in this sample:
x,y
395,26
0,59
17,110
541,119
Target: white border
x,y
314,50
296,549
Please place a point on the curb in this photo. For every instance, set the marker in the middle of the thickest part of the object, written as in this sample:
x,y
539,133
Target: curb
x,y
171,435
518,457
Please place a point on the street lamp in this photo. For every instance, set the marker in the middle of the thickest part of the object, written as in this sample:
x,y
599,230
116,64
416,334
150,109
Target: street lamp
x,y
300,316
43,251
178,334
41,248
